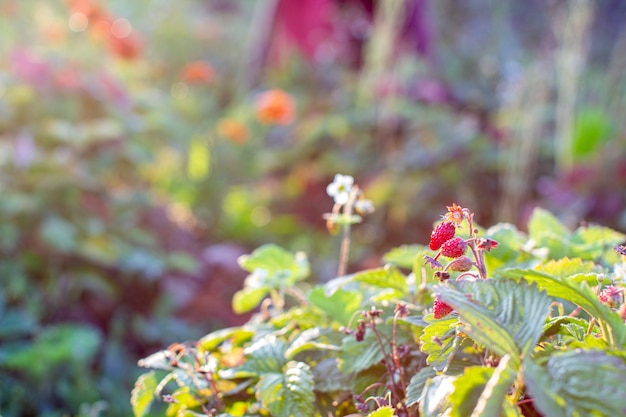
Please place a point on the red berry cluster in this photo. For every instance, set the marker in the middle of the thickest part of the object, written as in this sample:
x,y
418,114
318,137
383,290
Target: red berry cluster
x,y
443,238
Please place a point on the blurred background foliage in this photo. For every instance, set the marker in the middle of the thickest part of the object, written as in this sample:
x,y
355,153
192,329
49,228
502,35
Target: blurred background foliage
x,y
145,145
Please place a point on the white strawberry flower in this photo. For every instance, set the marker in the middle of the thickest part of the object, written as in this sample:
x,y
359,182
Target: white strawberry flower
x,y
340,188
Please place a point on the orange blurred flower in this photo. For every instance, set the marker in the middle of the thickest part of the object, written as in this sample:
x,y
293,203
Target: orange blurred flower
x,y
275,107
198,72
93,10
233,130
127,48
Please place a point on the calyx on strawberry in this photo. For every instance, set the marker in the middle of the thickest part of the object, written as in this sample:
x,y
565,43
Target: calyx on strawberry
x,y
443,232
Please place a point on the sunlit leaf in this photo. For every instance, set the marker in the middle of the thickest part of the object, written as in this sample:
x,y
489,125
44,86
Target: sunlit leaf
x,y
387,277
158,360
384,411
436,397
566,267
542,223
273,266
504,315
340,305
468,389
547,231
578,293
288,393
403,256
234,334
248,299
142,395
493,396
438,338
306,341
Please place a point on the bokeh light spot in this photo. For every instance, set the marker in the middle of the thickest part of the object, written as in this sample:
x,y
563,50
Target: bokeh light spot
x,y
260,216
78,22
121,28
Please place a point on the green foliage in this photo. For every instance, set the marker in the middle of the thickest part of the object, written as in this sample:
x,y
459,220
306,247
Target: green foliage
x,y
116,171
289,393
532,337
512,323
577,383
271,268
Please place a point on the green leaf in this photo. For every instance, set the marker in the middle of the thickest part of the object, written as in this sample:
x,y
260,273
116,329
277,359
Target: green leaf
x,y
273,266
266,355
158,360
493,397
515,307
247,299
235,335
509,239
468,389
547,231
387,277
592,242
328,377
357,356
403,256
306,341
385,411
339,306
142,394
482,391
416,385
289,393
543,223
436,397
579,294
565,267
578,383
438,339
562,325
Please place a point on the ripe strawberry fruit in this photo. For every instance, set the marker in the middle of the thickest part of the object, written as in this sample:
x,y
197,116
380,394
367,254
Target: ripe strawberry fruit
x,y
441,309
443,232
454,247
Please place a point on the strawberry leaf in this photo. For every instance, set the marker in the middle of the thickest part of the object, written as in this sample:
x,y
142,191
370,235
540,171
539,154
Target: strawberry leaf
x,y
578,382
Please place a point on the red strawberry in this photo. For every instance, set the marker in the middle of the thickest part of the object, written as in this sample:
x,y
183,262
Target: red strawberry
x,y
444,231
454,247
441,309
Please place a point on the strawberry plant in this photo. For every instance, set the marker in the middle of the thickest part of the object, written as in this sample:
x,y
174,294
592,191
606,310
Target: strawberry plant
x,y
482,322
